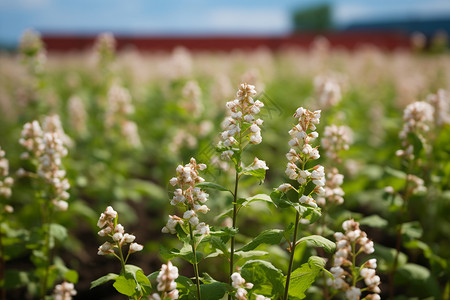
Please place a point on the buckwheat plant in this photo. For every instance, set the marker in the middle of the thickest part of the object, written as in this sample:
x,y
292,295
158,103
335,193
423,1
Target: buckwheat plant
x,y
131,281
64,291
309,179
6,183
105,52
109,227
33,52
335,140
347,274
242,287
191,198
118,112
328,91
241,129
45,149
414,137
167,287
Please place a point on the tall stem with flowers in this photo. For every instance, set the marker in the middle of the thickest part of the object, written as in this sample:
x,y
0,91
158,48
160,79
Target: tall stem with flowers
x,y
301,152
46,147
192,199
241,129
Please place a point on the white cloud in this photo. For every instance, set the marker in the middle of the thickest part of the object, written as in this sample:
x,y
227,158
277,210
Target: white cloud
x,y
387,9
248,20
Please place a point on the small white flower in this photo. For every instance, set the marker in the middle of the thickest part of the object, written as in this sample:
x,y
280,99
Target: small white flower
x,y
285,187
353,293
135,247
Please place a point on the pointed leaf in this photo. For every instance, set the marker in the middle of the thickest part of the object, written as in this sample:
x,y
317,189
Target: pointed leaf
x,y
214,186
319,241
374,221
302,278
125,284
103,280
258,173
264,276
270,237
213,291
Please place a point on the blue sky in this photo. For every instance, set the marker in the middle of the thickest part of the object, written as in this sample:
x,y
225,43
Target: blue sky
x,y
191,17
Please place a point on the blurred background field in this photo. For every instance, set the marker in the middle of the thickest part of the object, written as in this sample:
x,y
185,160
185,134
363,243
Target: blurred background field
x,y
136,105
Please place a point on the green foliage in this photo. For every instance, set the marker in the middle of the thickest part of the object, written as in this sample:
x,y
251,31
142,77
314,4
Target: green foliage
x,y
319,241
303,277
267,279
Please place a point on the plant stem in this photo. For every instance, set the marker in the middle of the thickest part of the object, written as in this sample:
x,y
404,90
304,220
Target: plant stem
x,y
291,259
236,184
2,267
195,264
47,253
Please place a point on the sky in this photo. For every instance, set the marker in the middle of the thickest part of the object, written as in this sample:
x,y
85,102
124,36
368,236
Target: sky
x,y
195,17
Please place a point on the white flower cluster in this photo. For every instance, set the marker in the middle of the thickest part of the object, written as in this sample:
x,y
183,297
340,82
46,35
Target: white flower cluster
x,y
105,48
5,181
77,114
239,283
53,124
189,196
349,245
31,140
417,117
418,185
333,191
118,110
301,152
48,148
33,51
328,91
441,103
116,233
336,138
242,112
64,291
192,95
166,283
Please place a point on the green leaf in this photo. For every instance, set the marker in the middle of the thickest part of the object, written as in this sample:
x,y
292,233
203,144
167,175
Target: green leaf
x,y
414,272
270,237
428,252
412,230
103,280
302,278
125,284
280,199
259,197
214,186
395,173
319,241
320,262
213,291
182,281
258,173
247,254
416,142
16,279
185,253
71,276
218,243
386,256
266,278
58,231
374,221
143,282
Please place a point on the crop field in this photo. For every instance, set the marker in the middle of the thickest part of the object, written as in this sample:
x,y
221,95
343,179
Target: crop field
x,y
311,173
